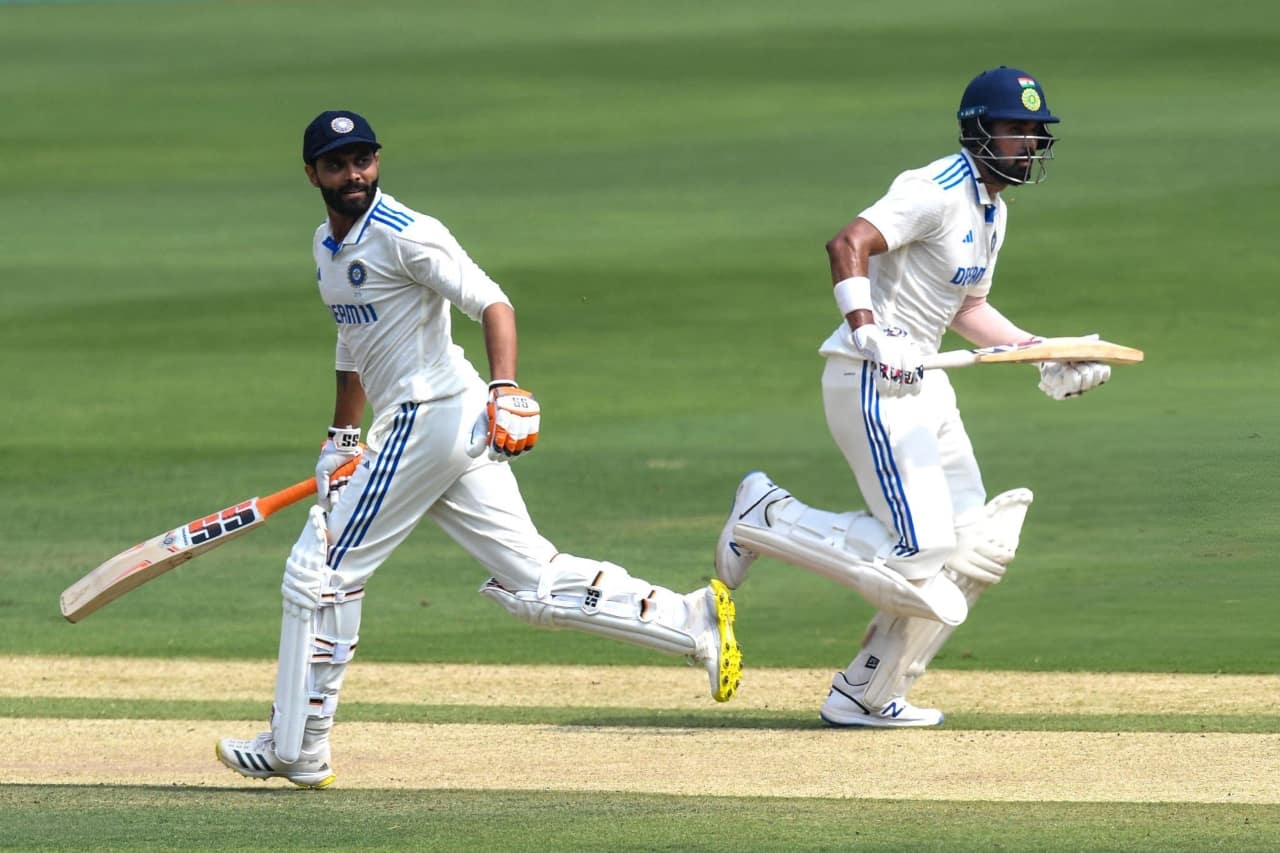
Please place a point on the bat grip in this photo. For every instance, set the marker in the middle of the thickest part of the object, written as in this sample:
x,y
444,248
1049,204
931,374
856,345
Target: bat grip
x,y
301,490
955,358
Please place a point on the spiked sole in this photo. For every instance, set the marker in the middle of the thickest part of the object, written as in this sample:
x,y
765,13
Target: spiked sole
x,y
729,674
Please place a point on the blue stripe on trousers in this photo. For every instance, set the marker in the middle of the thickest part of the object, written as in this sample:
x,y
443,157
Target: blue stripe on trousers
x,y
886,468
377,487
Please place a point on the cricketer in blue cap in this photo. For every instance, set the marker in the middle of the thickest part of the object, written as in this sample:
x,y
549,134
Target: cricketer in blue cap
x,y
335,129
1016,99
340,150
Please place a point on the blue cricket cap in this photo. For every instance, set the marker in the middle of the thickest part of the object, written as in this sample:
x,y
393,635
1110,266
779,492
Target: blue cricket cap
x,y
335,129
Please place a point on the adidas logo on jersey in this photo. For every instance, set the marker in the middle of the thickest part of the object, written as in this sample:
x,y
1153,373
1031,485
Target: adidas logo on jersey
x,y
968,238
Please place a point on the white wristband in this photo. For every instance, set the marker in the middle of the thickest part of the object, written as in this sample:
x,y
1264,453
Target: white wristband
x,y
853,294
345,438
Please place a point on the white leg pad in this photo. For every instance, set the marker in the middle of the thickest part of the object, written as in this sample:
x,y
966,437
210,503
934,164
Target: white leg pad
x,y
889,650
289,714
304,574
838,547
319,629
987,542
603,599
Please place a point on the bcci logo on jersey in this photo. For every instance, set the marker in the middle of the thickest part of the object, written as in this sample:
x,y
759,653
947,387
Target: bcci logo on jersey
x,y
356,273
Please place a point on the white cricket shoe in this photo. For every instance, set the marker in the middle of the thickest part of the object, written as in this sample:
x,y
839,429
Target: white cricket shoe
x,y
257,759
843,708
718,647
755,493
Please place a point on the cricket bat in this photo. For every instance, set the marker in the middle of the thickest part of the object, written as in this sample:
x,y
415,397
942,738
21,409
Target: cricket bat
x,y
130,569
1049,349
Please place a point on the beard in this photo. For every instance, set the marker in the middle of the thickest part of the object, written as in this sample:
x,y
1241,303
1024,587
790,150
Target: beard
x,y
1016,169
352,207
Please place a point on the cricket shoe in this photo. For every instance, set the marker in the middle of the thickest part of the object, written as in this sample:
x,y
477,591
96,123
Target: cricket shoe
x,y
718,648
755,494
257,759
843,708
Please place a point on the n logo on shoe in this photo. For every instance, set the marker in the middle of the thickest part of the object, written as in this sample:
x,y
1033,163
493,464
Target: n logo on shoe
x,y
893,709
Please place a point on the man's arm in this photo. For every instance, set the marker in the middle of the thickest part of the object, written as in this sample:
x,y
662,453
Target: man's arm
x,y
500,340
344,437
849,253
349,400
979,322
897,361
510,422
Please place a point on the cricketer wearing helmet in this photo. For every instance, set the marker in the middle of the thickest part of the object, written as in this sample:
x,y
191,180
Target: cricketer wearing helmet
x,y
437,446
917,262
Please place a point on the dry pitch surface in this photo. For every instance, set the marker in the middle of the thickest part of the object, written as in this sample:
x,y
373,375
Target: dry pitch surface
x,y
1211,767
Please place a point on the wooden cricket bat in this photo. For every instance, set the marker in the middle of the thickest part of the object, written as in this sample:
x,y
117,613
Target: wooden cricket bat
x,y
1049,349
132,568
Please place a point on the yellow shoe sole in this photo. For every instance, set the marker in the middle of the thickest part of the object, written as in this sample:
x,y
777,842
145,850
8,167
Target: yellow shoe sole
x,y
729,674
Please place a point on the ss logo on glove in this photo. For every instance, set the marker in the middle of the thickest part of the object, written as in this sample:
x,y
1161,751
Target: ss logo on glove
x,y
509,424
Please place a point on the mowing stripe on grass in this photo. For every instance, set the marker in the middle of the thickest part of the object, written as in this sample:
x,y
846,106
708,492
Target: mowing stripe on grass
x,y
941,765
666,687
647,718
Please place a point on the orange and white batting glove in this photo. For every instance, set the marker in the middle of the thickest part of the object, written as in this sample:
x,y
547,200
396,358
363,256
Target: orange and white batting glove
x,y
509,424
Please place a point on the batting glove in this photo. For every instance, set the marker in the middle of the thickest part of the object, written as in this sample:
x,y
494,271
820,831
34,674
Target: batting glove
x,y
1063,379
509,424
343,444
899,367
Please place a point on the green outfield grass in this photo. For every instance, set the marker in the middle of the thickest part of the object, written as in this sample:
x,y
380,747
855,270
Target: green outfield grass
x,y
106,817
653,185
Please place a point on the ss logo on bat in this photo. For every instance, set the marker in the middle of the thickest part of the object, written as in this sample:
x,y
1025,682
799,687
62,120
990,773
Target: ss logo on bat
x,y
229,519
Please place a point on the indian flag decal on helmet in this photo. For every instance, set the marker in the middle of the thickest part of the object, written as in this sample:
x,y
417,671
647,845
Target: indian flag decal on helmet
x,y
1026,82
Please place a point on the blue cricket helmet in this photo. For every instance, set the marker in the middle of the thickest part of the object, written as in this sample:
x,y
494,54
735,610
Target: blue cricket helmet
x,y
1005,93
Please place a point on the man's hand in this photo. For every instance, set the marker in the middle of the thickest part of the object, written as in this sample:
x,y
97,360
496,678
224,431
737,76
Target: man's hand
x,y
1063,379
509,424
898,363
343,444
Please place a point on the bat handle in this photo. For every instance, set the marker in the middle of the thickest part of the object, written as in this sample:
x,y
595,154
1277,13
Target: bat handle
x,y
954,358
300,490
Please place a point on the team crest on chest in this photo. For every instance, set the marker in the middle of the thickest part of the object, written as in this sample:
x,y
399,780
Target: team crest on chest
x,y
356,273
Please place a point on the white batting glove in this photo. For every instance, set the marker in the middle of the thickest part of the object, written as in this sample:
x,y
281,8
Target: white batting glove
x,y
1063,379
343,444
899,365
509,424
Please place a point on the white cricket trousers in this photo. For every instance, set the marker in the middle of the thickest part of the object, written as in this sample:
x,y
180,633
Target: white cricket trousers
x,y
416,465
911,457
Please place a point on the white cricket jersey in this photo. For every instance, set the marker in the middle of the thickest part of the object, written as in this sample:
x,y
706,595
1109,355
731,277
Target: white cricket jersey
x,y
389,285
944,234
